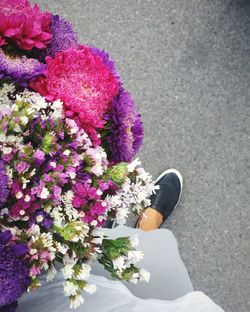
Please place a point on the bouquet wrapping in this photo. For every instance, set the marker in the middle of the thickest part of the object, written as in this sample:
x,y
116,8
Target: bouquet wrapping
x,y
68,134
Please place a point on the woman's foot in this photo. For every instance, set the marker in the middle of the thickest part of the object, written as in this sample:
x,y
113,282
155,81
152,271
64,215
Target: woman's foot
x,y
163,202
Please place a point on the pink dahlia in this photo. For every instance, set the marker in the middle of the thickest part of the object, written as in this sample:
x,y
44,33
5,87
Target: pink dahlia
x,y
83,82
23,25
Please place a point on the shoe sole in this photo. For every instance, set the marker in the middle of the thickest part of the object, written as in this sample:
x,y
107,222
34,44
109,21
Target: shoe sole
x,y
179,177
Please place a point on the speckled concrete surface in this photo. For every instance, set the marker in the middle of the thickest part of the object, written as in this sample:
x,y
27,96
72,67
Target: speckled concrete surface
x,y
187,64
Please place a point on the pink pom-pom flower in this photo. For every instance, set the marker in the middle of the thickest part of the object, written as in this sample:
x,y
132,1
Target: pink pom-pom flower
x,y
85,85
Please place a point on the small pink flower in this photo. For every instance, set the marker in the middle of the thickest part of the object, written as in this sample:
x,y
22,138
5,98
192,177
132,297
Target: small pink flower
x,y
77,201
21,166
34,257
34,271
45,256
79,189
7,157
15,188
57,192
48,178
39,156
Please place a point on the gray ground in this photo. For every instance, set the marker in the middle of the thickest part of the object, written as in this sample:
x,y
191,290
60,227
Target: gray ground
x,y
187,65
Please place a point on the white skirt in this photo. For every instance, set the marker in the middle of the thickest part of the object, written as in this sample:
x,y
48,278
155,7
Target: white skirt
x,y
169,288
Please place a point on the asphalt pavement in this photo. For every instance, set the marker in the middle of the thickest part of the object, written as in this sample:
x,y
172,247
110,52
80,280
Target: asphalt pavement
x,y
187,66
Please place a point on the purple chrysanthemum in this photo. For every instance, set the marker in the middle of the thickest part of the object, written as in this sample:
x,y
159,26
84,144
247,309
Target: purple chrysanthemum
x,y
14,271
19,68
106,60
63,36
4,190
125,125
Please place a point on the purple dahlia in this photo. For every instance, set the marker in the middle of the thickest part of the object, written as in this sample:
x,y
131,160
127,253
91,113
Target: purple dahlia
x,y
125,128
4,190
63,36
19,68
14,271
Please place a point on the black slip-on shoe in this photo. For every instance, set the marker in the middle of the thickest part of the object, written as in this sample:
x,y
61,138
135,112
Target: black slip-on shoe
x,y
168,196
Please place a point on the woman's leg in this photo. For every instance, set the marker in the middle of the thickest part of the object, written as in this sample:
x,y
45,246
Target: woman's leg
x,y
169,277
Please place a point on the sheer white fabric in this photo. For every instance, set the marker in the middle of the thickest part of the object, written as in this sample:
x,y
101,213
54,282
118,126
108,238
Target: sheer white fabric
x,y
169,289
112,297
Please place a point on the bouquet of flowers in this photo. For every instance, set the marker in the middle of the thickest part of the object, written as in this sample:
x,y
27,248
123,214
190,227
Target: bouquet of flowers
x,y
68,134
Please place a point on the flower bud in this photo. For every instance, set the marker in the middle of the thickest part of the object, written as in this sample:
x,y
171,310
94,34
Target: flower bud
x,y
118,173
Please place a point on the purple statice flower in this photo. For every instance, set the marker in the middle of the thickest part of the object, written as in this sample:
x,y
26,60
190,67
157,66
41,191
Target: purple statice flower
x,y
80,194
39,156
126,129
57,190
21,166
108,186
82,176
7,158
63,36
83,193
96,210
4,190
107,61
14,272
15,187
42,218
27,208
19,68
48,178
38,190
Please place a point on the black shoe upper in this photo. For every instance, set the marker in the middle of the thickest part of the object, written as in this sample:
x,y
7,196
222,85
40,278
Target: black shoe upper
x,y
167,197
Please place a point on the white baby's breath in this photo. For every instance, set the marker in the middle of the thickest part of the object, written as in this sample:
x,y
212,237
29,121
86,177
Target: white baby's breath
x,y
44,193
119,263
84,272
70,289
68,271
76,301
51,273
91,289
5,90
144,275
134,256
134,278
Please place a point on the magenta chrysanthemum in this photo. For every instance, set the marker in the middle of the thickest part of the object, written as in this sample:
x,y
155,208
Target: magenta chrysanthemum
x,y
23,25
82,81
19,68
125,128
